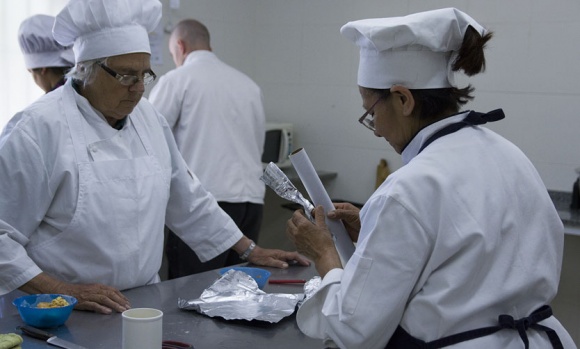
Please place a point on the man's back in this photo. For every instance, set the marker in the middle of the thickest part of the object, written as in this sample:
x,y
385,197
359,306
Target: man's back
x,y
218,121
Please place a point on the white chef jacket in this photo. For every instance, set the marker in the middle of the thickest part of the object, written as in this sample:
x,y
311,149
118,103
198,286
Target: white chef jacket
x,y
217,118
462,233
48,194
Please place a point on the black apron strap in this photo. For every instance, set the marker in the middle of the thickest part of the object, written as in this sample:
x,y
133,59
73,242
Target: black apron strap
x,y
401,339
522,325
472,119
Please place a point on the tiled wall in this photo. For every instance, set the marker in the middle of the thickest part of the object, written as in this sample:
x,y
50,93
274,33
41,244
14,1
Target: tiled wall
x,y
309,74
307,70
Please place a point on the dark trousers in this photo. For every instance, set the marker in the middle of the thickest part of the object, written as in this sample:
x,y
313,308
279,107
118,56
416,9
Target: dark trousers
x,y
183,261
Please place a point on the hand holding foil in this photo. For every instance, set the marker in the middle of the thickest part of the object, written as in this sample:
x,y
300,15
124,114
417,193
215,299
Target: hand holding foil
x,y
279,182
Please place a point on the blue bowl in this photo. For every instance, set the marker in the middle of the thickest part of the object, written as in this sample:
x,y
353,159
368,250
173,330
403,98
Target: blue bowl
x,y
43,317
260,275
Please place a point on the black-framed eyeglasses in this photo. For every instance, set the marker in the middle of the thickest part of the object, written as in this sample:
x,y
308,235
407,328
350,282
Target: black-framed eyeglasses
x,y
368,118
129,80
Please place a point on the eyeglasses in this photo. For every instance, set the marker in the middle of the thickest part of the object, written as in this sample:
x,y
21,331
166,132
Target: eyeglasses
x,y
368,118
129,80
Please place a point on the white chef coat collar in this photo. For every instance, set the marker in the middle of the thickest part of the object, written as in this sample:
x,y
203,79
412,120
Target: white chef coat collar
x,y
86,108
412,149
197,54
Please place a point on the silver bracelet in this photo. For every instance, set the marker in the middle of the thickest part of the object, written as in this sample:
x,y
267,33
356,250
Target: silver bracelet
x,y
244,256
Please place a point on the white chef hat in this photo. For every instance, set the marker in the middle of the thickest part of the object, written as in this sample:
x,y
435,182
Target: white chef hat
x,y
104,28
39,47
416,51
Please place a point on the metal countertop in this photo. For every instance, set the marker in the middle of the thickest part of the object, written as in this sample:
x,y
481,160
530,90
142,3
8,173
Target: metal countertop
x,y
104,331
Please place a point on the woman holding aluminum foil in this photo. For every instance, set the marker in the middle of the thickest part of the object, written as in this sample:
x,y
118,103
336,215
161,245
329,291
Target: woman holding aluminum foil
x,y
461,247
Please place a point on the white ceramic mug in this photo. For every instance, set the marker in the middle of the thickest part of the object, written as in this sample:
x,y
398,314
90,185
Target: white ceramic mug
x,y
142,328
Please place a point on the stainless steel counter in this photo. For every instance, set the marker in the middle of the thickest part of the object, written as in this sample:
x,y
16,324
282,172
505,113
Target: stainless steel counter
x,y
104,331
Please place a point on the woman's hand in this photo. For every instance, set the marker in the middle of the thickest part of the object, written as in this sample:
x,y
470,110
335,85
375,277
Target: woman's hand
x,y
97,297
314,240
275,258
92,297
268,257
350,216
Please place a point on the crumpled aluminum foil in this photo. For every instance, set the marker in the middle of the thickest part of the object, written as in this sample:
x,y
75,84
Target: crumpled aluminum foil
x,y
310,288
236,296
279,182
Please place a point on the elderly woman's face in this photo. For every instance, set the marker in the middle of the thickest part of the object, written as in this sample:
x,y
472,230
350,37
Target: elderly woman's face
x,y
392,117
108,95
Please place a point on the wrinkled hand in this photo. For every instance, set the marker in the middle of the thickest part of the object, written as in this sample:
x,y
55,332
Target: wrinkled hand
x,y
96,297
350,216
275,258
314,240
92,297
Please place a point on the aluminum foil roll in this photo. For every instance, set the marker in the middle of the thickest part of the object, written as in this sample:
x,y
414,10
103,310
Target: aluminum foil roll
x,y
279,182
236,296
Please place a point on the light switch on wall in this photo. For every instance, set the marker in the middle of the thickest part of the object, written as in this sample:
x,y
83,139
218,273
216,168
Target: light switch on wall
x,y
174,4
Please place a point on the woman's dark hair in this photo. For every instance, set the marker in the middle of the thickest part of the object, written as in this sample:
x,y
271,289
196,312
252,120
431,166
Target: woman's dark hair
x,y
61,71
470,59
433,103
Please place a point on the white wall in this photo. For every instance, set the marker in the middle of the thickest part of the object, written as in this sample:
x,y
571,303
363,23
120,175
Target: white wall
x,y
307,70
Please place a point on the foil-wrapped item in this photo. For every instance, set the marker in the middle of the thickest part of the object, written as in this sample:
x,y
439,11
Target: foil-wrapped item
x,y
279,182
310,288
236,296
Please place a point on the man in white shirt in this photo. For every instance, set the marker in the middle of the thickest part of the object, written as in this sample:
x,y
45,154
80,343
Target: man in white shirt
x,y
216,115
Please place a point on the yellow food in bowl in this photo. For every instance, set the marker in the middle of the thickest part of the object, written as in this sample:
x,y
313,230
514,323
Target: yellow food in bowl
x,y
55,303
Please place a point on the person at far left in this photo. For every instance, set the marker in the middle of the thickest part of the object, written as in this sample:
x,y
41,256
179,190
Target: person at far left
x,y
46,59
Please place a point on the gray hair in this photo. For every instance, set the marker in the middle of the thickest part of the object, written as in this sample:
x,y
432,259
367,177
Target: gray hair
x,y
84,72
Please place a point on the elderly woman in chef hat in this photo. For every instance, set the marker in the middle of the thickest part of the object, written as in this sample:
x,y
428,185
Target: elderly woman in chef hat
x,y
46,59
91,173
461,247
